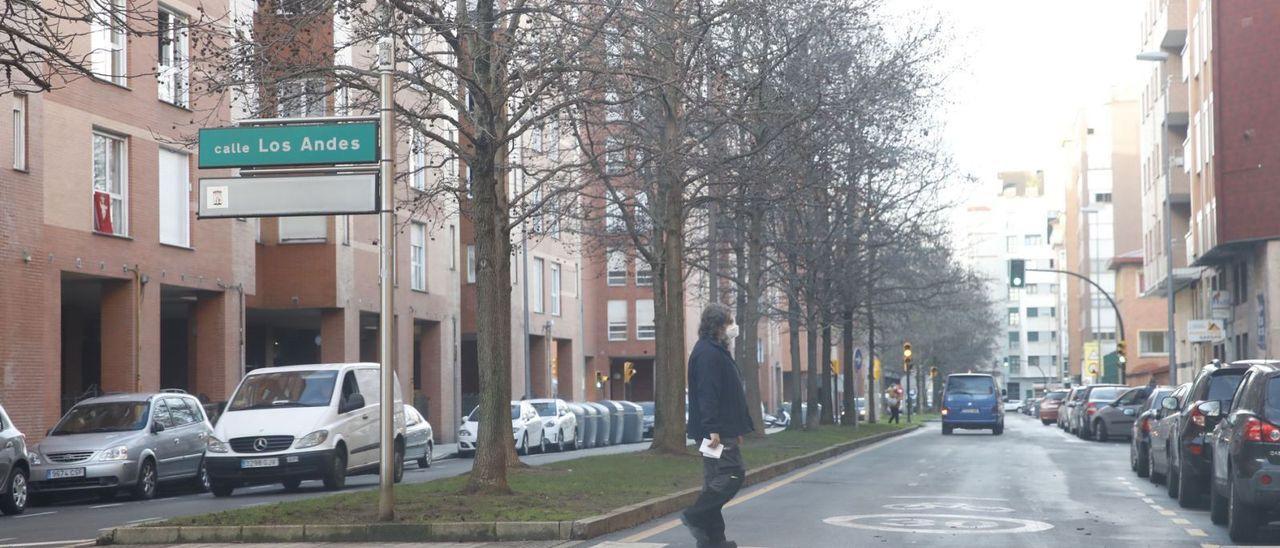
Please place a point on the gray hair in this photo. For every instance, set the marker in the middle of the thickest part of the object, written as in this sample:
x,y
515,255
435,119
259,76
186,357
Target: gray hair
x,y
714,318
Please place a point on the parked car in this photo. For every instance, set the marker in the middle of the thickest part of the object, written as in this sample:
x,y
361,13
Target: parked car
x,y
1190,452
1067,420
1117,417
559,426
1092,398
525,428
419,442
648,407
1164,434
1140,432
1012,405
300,422
1246,443
14,467
127,442
862,408
1049,406
971,401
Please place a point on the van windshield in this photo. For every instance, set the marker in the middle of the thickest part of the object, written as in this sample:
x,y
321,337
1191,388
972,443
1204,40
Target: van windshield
x,y
285,389
1106,393
1055,395
973,386
103,417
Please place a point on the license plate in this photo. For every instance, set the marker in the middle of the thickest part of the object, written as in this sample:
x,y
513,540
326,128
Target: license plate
x,y
968,410
59,473
259,463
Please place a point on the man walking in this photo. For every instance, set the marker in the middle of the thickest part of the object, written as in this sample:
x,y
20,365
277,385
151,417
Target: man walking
x,y
895,406
718,413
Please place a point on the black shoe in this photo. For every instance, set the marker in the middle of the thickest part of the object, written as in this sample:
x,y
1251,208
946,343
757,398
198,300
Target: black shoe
x,y
699,534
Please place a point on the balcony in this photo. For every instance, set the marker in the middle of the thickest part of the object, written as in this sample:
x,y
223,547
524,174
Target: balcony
x,y
1171,24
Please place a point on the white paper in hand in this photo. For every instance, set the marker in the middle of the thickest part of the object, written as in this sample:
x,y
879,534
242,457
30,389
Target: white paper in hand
x,y
708,451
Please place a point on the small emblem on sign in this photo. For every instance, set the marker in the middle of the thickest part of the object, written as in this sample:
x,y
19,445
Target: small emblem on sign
x,y
216,197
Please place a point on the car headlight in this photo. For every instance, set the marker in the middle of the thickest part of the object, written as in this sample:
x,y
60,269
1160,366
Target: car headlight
x,y
214,445
115,453
36,458
464,432
311,440
550,424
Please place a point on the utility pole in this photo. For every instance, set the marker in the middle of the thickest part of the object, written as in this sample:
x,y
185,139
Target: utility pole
x,y
386,249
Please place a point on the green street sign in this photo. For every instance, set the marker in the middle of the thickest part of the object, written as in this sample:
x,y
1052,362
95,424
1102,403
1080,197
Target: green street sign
x,y
296,145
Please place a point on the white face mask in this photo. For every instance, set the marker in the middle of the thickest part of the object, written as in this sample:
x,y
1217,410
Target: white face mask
x,y
731,332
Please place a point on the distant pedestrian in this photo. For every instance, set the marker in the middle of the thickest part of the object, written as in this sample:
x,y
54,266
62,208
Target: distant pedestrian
x,y
895,406
717,412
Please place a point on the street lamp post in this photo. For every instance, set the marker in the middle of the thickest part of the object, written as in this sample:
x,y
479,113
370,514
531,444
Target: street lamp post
x,y
1171,345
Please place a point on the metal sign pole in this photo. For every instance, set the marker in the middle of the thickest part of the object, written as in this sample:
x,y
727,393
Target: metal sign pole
x,y
386,247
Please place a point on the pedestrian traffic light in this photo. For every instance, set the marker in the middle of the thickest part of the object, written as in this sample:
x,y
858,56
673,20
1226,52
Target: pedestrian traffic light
x,y
628,371
1120,347
600,378
906,356
1017,272
933,372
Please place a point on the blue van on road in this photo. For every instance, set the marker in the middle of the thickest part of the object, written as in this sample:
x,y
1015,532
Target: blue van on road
x,y
971,401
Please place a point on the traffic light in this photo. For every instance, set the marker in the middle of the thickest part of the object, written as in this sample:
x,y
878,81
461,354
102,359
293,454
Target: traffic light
x,y
933,372
1120,347
600,378
628,371
1017,273
906,356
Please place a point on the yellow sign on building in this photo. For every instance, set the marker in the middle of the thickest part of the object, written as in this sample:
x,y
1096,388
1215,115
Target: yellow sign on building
x,y
1092,365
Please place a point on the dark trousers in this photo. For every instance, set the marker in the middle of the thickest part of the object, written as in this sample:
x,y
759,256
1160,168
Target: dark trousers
x,y
894,412
721,480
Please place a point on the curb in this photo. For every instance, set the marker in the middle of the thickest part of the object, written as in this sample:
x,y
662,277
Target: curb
x,y
582,529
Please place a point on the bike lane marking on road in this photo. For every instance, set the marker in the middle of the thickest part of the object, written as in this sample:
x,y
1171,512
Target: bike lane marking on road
x,y
959,506
944,524
1197,532
776,483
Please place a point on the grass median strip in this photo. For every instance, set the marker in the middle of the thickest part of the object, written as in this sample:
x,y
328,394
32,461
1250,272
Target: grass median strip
x,y
561,491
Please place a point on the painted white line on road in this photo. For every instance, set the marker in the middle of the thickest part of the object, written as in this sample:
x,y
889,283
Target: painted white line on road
x,y
1197,533
5,539
1181,521
24,516
1207,545
1148,500
913,484
612,544
113,505
944,524
945,497
81,542
1168,513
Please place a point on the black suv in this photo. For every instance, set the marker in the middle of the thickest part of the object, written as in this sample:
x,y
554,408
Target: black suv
x,y
1192,455
1246,451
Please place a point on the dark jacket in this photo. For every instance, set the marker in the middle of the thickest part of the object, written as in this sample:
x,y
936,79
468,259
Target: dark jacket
x,y
717,400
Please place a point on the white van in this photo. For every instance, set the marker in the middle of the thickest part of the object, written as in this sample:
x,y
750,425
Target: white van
x,y
300,422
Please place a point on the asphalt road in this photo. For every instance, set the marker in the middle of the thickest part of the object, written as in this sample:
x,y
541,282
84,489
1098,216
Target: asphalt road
x,y
1033,486
77,520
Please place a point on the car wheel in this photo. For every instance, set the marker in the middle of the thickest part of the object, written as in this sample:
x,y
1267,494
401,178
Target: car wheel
x,y
1100,432
397,468
1133,457
15,501
542,445
221,489
946,430
425,461
145,489
1152,475
201,480
1046,423
560,442
292,484
1171,479
1242,519
1188,489
336,477
1217,505
1144,462
998,429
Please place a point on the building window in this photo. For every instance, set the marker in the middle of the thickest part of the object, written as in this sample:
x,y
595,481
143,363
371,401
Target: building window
x,y
1013,337
644,272
646,330
617,320
1151,343
1010,243
171,69
1032,239
555,289
1102,197
534,205
20,132
417,160
1032,289
535,285
1014,317
300,98
175,199
418,256
1015,364
1033,361
110,185
613,221
292,7
471,264
453,247
617,268
303,229
643,223
108,41
1033,312
1033,336
615,157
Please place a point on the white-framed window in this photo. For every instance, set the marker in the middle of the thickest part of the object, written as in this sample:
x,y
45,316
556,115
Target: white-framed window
x,y
617,320
615,157
417,160
453,247
175,198
110,185
108,41
536,288
613,221
1151,343
418,256
293,7
471,264
534,203
555,289
300,98
172,61
451,165
303,229
644,272
646,330
642,215
19,120
616,273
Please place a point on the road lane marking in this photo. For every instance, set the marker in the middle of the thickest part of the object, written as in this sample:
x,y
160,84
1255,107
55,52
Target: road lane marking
x,y
1197,533
5,539
957,497
1168,513
776,483
1148,500
941,524
143,520
113,505
81,541
1181,521
24,516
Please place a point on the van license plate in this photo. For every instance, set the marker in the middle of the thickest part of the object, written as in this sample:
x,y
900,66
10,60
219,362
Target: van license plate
x,y
59,473
259,463
968,410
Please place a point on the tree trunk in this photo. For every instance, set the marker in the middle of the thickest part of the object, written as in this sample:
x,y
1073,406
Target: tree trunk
x,y
813,415
748,322
850,417
793,327
828,402
871,364
668,294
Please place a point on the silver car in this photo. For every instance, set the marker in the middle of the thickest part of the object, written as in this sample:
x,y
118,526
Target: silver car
x,y
418,443
14,467
124,442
